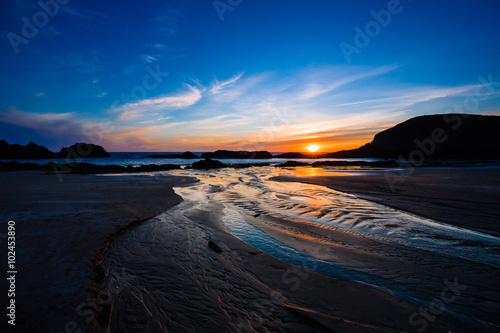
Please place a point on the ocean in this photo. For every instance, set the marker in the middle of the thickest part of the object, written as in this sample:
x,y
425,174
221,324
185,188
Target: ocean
x,y
139,158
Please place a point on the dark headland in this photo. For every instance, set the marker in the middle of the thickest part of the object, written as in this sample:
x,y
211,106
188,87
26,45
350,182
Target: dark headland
x,y
441,136
455,136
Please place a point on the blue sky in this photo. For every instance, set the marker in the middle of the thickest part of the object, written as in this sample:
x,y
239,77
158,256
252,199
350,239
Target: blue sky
x,y
275,75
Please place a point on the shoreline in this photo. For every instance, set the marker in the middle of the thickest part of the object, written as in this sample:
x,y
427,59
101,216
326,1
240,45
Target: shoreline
x,y
263,273
203,226
83,167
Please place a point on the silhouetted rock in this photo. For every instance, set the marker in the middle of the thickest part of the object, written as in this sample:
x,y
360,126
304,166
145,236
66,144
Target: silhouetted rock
x,y
83,150
186,155
238,154
208,164
35,151
293,164
30,151
461,136
17,166
293,155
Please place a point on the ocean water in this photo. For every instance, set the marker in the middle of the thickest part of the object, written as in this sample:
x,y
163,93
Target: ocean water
x,y
137,159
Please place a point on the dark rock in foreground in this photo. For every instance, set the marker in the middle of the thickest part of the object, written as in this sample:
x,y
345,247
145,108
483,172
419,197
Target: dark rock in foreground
x,y
238,154
30,151
208,164
186,155
214,247
83,150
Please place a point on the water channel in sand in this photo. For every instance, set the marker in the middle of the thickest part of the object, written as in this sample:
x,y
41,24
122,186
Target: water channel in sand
x,y
341,235
249,191
334,233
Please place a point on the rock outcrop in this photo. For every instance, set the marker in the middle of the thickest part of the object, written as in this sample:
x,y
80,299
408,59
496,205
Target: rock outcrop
x,y
238,154
208,164
292,155
83,150
30,151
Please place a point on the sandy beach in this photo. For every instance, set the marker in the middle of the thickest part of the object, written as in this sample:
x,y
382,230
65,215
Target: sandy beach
x,y
190,265
60,227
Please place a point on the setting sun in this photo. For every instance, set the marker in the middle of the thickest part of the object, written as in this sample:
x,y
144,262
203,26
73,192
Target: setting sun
x,y
313,148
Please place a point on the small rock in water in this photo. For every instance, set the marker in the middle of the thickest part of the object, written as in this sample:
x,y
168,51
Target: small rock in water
x,y
214,247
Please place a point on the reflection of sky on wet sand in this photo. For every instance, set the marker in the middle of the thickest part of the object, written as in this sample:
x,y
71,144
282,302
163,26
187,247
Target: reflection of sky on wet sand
x,y
250,191
312,172
350,238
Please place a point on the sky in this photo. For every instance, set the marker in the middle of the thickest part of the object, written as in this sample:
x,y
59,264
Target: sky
x,y
238,74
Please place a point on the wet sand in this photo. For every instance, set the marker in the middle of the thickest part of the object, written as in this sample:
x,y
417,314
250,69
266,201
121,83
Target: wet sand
x,y
165,276
467,197
60,227
464,197
184,270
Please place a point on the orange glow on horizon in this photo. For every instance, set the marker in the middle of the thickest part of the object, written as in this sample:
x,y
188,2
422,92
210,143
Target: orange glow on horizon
x,y
136,141
313,148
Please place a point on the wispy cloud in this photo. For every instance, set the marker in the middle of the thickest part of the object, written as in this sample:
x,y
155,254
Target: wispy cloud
x,y
58,126
218,86
150,58
83,13
160,46
162,104
32,120
322,85
337,107
168,20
